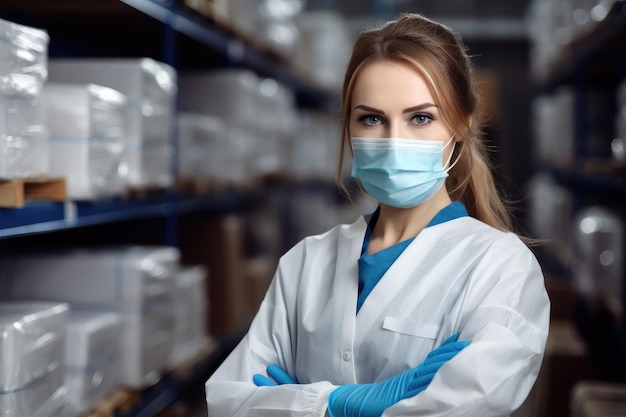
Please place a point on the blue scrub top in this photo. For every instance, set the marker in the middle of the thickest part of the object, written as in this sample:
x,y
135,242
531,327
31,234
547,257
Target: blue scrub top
x,y
373,267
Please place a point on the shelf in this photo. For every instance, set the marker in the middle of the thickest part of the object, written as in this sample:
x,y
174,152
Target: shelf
x,y
593,55
42,217
588,180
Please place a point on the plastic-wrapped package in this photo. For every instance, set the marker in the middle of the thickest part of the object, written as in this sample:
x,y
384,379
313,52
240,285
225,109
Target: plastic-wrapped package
x,y
315,154
618,145
263,108
553,123
320,64
213,151
23,72
190,309
24,144
135,282
87,128
555,24
23,59
598,246
92,356
549,216
115,277
199,150
151,88
32,343
271,23
230,95
277,118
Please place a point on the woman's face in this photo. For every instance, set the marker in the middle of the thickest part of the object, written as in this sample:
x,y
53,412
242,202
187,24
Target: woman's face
x,y
392,100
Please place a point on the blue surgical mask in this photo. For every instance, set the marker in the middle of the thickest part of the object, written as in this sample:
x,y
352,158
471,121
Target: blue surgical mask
x,y
400,172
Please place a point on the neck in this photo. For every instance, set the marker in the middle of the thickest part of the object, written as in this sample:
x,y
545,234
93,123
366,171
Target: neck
x,y
395,225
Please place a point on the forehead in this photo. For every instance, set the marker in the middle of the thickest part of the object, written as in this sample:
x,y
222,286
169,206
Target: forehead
x,y
390,84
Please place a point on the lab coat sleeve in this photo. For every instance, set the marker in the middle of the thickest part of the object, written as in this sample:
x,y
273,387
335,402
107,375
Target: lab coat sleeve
x,y
506,319
230,390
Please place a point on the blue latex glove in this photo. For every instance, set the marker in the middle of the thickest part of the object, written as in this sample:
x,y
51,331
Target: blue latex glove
x,y
370,400
279,377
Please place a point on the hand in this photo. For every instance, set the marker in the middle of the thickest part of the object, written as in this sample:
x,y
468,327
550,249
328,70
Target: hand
x,y
279,376
370,400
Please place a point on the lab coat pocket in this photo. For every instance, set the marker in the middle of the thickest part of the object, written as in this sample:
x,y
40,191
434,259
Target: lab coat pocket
x,y
411,327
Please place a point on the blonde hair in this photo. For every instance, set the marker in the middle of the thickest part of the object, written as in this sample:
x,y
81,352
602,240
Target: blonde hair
x,y
441,57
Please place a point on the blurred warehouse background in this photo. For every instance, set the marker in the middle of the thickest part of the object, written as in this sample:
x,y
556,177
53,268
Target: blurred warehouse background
x,y
157,157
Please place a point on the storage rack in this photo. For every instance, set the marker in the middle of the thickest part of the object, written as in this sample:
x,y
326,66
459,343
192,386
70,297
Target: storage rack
x,y
179,28
595,59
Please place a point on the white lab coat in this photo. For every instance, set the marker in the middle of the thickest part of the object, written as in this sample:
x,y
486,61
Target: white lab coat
x,y
461,275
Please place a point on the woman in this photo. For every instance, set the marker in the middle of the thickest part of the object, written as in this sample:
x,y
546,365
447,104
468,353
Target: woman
x,y
353,313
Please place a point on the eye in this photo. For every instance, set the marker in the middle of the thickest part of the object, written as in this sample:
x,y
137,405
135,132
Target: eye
x,y
422,118
370,119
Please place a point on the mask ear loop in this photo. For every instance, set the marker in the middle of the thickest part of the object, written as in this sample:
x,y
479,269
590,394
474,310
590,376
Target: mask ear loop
x,y
450,157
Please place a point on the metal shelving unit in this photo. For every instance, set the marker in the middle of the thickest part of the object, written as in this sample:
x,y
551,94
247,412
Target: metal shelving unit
x,y
44,217
37,218
596,59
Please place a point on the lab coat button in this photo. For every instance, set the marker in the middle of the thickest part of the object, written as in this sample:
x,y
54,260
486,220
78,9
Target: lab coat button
x,y
347,355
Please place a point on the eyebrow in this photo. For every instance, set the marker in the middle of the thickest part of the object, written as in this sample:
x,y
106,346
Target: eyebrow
x,y
409,110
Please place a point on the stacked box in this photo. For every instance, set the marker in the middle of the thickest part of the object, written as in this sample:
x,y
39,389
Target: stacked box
x,y
91,357
23,71
32,342
135,282
190,309
319,64
201,142
151,88
258,115
87,128
598,264
271,24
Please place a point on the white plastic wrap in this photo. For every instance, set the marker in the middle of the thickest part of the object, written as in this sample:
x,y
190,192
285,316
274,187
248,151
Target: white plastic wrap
x,y
314,154
320,64
111,278
553,124
262,112
199,150
277,121
550,205
23,71
555,24
23,59
618,145
147,343
32,343
92,355
151,89
210,149
598,246
24,145
231,95
87,128
190,309
134,282
271,23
